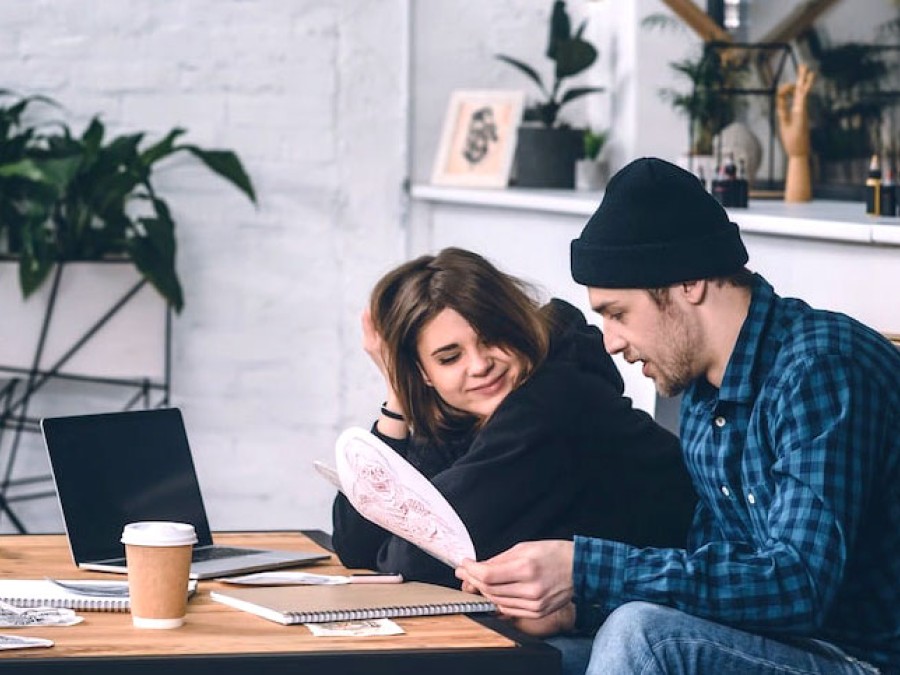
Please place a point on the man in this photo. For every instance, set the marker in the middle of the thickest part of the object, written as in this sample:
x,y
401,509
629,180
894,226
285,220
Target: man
x,y
791,432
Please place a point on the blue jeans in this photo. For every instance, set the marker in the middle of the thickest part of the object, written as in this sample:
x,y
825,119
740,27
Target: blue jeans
x,y
575,653
640,637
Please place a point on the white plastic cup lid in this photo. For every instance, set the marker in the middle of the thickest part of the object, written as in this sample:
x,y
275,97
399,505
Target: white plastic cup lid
x,y
159,533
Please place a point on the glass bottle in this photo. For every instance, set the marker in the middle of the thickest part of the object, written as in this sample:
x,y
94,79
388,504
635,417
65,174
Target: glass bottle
x,y
873,187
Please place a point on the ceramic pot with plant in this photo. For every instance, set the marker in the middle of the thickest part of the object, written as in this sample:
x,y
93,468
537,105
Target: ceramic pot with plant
x,y
67,197
849,106
547,149
591,172
708,106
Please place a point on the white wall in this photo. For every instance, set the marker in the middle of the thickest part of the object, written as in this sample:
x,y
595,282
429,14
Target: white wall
x,y
312,95
454,42
453,47
327,102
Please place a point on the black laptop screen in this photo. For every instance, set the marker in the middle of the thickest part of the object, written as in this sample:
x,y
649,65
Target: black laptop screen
x,y
117,468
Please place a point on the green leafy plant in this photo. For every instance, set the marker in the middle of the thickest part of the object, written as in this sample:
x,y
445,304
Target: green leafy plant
x,y
848,100
571,54
85,197
707,105
711,74
594,142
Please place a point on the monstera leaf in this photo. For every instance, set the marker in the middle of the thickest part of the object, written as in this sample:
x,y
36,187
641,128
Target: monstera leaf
x,y
68,197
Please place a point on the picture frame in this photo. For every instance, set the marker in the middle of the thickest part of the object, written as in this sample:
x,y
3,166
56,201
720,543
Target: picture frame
x,y
478,139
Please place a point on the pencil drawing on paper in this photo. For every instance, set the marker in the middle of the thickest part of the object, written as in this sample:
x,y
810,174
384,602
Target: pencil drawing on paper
x,y
418,513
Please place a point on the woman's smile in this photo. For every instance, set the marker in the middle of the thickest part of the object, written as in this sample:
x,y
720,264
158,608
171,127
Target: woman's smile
x,y
467,372
492,386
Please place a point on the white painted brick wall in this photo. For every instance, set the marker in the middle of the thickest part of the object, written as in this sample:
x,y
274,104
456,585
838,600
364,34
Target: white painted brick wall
x,y
312,95
315,97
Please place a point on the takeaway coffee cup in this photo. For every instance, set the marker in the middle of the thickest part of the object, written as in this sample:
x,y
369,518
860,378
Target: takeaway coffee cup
x,y
159,562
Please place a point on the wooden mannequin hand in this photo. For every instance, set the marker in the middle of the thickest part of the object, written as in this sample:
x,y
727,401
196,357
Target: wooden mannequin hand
x,y
793,127
793,119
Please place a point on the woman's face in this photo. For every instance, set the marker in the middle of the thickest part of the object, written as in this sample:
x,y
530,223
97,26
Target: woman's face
x,y
465,372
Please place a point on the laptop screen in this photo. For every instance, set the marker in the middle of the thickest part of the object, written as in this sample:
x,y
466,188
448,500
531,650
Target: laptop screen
x,y
116,468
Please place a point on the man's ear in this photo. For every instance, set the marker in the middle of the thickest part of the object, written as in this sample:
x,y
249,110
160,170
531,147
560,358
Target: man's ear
x,y
694,292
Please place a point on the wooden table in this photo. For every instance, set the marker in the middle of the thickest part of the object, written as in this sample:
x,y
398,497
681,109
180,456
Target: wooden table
x,y
218,639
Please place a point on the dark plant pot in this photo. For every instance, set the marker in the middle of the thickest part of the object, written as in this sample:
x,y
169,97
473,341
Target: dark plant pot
x,y
545,158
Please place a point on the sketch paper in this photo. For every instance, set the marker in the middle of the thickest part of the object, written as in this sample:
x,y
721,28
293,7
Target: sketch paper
x,y
280,578
392,493
328,473
22,642
358,628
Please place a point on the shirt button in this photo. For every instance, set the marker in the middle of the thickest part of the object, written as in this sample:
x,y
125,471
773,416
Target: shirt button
x,y
751,498
719,422
726,491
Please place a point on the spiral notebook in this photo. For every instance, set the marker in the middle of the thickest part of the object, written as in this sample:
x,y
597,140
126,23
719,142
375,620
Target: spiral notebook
x,y
95,595
351,602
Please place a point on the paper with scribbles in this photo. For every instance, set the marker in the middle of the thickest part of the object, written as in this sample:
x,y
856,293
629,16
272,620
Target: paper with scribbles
x,y
392,493
328,473
17,617
23,642
356,628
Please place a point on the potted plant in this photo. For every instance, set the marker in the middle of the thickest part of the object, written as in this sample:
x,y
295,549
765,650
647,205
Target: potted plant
x,y
547,149
846,110
708,104
68,197
707,108
591,172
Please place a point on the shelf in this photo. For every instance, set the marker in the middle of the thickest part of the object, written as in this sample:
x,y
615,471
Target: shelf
x,y
819,219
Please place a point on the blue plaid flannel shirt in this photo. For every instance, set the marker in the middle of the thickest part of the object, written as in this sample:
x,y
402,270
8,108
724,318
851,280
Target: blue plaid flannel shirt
x,y
796,459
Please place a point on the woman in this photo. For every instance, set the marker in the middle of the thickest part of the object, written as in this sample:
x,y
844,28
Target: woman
x,y
515,413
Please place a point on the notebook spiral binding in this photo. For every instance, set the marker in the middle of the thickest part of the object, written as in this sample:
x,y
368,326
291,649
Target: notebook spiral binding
x,y
87,604
401,611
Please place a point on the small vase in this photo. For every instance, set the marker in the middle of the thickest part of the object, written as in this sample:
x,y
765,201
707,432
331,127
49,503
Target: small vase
x,y
702,166
739,141
590,174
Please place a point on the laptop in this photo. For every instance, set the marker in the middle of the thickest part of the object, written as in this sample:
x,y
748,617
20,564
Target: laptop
x,y
117,468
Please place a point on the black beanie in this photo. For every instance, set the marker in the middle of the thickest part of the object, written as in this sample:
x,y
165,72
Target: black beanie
x,y
656,226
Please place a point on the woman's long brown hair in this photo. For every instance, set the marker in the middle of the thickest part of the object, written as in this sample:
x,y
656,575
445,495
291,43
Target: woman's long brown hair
x,y
499,307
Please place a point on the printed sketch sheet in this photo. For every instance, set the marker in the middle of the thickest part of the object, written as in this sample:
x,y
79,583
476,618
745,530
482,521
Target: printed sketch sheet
x,y
390,492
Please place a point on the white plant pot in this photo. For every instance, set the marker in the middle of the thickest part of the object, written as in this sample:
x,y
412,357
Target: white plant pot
x,y
590,174
702,166
130,345
738,141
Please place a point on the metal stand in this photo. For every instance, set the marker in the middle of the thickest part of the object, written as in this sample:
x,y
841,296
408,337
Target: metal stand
x,y
22,384
762,55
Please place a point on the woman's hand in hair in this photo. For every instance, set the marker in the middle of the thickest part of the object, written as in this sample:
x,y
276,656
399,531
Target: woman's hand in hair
x,y
388,424
375,348
373,344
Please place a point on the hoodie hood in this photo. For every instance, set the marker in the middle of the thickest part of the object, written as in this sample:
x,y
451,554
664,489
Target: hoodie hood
x,y
575,341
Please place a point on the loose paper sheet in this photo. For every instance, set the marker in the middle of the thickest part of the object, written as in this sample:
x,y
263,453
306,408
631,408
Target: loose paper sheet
x,y
390,492
17,617
328,473
279,578
359,628
23,642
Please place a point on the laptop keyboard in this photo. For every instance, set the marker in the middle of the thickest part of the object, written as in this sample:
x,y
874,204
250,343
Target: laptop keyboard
x,y
219,552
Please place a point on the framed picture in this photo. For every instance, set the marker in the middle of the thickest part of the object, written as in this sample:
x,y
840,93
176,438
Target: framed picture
x,y
478,139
